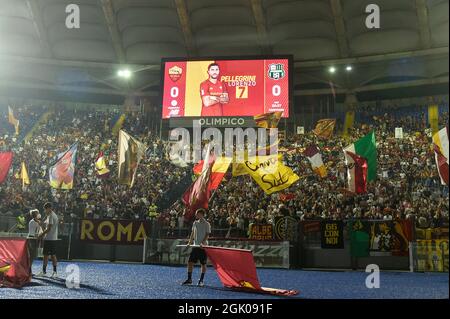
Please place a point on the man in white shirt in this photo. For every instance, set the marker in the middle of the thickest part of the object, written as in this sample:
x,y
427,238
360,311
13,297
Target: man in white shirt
x,y
199,236
50,235
34,230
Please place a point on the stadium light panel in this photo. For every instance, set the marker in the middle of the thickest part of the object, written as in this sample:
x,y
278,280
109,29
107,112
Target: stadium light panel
x,y
125,73
332,69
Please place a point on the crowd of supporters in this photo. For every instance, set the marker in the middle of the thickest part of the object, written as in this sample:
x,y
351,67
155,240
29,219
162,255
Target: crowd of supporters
x,y
407,183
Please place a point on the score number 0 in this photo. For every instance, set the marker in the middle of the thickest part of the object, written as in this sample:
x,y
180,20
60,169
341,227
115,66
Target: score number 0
x,y
174,92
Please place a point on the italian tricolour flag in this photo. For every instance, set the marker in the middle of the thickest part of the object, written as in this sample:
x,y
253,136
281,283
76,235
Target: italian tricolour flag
x,y
440,143
361,161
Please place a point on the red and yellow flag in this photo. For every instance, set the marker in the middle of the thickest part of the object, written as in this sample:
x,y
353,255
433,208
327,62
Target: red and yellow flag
x,y
324,128
268,120
236,269
219,168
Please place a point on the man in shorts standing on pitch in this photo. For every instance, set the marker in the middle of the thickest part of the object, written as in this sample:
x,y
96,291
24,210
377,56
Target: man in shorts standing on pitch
x,y
199,237
50,236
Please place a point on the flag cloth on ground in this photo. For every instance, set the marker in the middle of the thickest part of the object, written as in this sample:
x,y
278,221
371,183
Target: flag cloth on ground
x,y
269,173
24,175
364,148
61,174
219,168
315,158
357,173
5,164
440,146
268,120
12,120
197,195
130,153
14,263
100,166
324,128
236,270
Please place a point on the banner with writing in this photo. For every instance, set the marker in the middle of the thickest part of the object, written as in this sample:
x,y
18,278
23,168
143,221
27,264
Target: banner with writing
x,y
261,232
332,234
123,232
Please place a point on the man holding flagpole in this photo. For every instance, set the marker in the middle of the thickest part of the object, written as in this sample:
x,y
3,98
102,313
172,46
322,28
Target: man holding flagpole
x,y
199,237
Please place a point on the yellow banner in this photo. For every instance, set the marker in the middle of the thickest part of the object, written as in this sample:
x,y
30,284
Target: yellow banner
x,y
270,174
432,255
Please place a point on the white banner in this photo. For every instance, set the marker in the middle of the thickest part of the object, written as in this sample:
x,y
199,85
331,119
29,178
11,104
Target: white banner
x,y
399,132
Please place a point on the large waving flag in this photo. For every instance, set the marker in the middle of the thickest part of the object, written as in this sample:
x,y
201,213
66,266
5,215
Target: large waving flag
x,y
100,166
12,120
314,156
362,151
268,120
5,164
197,195
440,145
61,174
269,173
324,128
219,168
131,152
236,269
357,173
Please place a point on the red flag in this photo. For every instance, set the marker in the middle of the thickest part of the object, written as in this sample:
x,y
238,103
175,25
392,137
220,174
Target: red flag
x,y
286,197
236,269
198,194
358,173
14,262
442,164
219,168
5,164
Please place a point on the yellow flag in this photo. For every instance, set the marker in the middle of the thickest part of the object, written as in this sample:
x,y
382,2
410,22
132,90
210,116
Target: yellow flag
x,y
118,126
24,175
131,152
324,128
268,120
349,121
12,120
433,118
269,173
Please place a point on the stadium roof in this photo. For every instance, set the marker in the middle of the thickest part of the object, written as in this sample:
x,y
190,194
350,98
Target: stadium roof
x,y
38,52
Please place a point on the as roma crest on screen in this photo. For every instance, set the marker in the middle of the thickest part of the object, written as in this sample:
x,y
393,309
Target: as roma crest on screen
x,y
276,71
175,73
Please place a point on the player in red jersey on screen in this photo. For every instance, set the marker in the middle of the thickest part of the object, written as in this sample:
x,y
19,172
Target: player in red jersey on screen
x,y
213,93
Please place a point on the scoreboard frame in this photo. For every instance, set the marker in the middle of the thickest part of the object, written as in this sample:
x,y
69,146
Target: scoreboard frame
x,y
288,57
